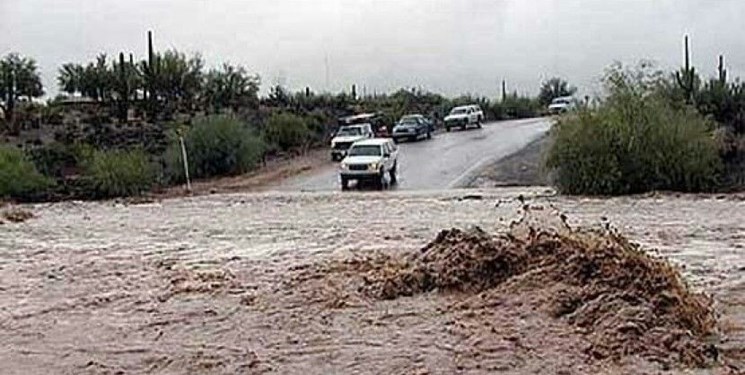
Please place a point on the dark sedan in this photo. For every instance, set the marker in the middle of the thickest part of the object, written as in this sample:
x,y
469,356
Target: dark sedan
x,y
413,127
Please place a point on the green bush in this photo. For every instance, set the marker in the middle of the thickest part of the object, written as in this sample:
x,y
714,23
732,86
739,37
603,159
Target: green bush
x,y
109,174
216,146
287,131
19,178
52,159
634,141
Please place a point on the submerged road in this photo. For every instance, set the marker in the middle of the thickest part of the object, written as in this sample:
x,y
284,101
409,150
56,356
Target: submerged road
x,y
448,160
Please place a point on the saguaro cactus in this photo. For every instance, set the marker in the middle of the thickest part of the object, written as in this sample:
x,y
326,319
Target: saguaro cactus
x,y
123,88
722,71
504,90
686,77
150,72
10,92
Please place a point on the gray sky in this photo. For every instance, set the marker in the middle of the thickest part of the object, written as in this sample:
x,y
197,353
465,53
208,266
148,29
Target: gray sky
x,y
448,46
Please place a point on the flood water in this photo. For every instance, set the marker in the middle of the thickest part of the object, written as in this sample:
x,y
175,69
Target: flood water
x,y
209,284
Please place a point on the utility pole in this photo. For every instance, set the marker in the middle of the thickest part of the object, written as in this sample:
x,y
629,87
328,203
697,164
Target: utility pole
x,y
326,63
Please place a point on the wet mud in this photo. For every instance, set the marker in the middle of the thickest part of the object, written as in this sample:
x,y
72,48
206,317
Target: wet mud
x,y
370,283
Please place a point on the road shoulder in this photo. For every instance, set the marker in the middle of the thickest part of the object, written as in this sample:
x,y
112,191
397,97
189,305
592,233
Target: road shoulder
x,y
522,168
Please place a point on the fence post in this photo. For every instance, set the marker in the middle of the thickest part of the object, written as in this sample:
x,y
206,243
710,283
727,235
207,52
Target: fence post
x,y
186,163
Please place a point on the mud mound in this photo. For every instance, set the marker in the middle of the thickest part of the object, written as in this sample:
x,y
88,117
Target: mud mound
x,y
623,300
198,281
17,215
461,260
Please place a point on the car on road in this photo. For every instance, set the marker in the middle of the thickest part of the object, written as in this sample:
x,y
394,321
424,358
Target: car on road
x,y
464,116
413,127
561,105
375,119
346,136
370,160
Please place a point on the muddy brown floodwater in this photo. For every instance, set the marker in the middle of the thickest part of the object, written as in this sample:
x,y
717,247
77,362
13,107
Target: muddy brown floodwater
x,y
280,283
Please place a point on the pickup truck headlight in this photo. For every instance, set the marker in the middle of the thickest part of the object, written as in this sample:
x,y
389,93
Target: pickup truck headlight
x,y
343,166
372,166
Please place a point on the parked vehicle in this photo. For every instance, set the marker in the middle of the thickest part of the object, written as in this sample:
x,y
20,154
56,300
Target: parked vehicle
x,y
376,120
562,105
346,136
464,117
370,160
413,127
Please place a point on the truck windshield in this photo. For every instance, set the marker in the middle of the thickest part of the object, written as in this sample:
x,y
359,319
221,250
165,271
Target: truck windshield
x,y
367,150
458,111
349,131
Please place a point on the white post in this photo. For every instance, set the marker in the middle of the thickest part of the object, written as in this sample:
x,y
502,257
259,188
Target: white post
x,y
186,164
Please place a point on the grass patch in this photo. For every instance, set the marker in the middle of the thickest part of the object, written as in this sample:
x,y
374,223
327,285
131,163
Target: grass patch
x,y
19,178
109,174
216,146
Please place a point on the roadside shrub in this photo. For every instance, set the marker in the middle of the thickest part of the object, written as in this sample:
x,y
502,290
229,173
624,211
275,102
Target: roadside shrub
x,y
516,107
731,148
109,174
635,141
286,131
52,159
216,146
19,178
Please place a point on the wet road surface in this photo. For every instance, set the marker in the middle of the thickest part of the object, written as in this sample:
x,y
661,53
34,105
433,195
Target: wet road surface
x,y
446,161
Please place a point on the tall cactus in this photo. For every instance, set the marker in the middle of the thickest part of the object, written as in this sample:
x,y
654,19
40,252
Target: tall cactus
x,y
686,77
504,90
123,88
722,71
150,73
10,95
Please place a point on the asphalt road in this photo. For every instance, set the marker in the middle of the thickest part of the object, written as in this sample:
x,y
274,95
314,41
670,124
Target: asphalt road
x,y
448,160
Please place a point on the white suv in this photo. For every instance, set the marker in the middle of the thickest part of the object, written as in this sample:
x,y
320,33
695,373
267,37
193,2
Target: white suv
x,y
562,104
346,136
464,116
370,160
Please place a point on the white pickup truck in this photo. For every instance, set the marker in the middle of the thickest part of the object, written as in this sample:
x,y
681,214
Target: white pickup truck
x,y
464,117
370,160
346,136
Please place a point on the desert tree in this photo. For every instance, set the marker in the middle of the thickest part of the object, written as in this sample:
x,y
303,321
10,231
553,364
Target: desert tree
x,y
554,88
19,79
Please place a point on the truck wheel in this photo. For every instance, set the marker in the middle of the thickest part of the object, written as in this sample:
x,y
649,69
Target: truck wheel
x,y
394,175
334,157
429,135
447,129
344,183
478,123
381,180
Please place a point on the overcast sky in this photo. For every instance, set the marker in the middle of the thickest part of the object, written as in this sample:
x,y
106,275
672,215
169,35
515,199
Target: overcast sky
x,y
448,46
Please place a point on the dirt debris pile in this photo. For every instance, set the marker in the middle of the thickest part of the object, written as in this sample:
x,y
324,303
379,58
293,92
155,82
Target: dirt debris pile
x,y
198,281
623,300
17,215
